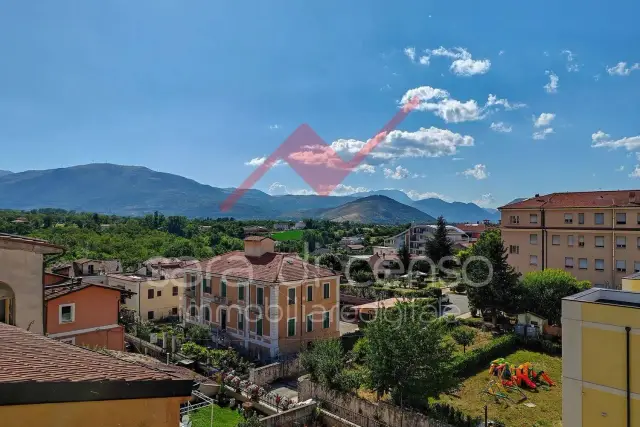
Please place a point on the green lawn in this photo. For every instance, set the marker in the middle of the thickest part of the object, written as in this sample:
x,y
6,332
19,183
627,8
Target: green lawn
x,y
287,235
222,417
546,413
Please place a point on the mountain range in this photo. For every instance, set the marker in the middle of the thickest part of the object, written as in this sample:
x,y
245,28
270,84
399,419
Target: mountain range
x,y
136,190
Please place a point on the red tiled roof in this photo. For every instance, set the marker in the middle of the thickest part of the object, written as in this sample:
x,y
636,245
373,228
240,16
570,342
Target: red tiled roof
x,y
585,199
32,241
257,238
55,291
27,357
470,228
270,267
179,372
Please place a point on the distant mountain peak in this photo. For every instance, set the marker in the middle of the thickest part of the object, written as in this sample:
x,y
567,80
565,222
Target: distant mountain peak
x,y
3,172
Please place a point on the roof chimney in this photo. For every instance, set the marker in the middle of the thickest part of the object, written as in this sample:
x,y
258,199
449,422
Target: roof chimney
x,y
632,197
258,245
537,195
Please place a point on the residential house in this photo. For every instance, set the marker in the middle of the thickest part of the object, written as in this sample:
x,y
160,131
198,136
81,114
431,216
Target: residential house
x,y
388,250
300,225
281,226
255,230
264,302
87,267
417,235
353,240
474,231
631,282
45,382
157,288
84,313
22,280
593,235
355,249
600,339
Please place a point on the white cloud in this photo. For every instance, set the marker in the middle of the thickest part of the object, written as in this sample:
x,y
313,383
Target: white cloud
x,y
485,200
345,190
419,175
545,53
493,100
478,172
417,195
542,134
410,52
457,159
552,86
621,69
424,60
463,64
544,119
635,173
596,77
620,169
572,66
274,127
277,189
603,140
257,161
500,127
365,168
398,173
501,53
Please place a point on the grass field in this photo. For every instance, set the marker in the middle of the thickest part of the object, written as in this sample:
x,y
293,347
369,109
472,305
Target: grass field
x,y
546,413
222,417
287,235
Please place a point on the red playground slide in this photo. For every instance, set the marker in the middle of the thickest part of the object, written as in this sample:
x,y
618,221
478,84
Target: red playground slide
x,y
524,379
547,379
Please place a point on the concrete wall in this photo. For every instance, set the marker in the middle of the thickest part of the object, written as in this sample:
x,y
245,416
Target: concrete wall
x,y
22,271
269,373
288,418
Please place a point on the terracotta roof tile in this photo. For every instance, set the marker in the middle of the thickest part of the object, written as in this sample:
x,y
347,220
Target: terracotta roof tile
x,y
30,240
270,267
257,238
585,199
27,357
72,285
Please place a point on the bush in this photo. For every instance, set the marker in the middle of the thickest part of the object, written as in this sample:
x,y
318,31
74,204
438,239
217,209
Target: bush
x,y
452,416
541,345
479,358
472,322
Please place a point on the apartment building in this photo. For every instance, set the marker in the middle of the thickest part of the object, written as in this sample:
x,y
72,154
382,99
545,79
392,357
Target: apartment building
x,y
600,340
417,235
594,235
263,302
22,280
157,288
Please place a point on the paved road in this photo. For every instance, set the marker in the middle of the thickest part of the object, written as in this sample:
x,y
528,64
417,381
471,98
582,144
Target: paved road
x,y
460,301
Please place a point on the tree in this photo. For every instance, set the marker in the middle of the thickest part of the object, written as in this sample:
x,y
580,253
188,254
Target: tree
x,y
331,261
491,282
252,421
176,225
408,355
464,336
324,362
439,246
544,290
405,257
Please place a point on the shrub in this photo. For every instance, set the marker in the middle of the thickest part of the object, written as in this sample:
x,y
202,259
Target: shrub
x,y
464,336
479,358
541,345
472,322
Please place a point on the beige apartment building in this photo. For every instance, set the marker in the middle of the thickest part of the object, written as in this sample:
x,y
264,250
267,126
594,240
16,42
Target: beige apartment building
x,y
593,235
264,302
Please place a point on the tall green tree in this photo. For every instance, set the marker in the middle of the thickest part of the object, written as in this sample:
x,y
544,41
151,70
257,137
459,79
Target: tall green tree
x,y
331,261
408,355
405,257
439,246
464,336
491,282
544,290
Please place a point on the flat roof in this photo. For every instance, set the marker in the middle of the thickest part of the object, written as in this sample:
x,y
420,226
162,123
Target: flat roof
x,y
607,297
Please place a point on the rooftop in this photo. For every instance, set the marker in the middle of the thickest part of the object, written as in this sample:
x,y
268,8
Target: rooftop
x,y
584,199
44,246
607,297
178,372
271,267
74,285
256,238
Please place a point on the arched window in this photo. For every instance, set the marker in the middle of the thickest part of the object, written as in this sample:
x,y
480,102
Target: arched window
x,y
193,311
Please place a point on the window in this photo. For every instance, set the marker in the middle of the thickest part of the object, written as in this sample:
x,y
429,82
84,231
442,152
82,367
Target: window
x,y
71,340
310,293
599,241
291,327
241,292
621,218
580,218
621,242
174,291
206,285
260,296
241,322
533,239
514,219
533,259
159,294
310,323
555,239
570,240
291,294
599,265
568,218
207,314
638,242
174,311
325,319
223,289
636,267
150,315
90,266
514,249
621,265
259,326
193,311
533,218
638,219
150,293
581,241
568,262
67,313
325,290
583,264
598,218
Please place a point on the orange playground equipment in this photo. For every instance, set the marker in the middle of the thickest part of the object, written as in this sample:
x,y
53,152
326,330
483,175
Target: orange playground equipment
x,y
506,377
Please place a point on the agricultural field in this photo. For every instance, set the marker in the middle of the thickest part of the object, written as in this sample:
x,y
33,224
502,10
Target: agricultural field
x,y
287,235
548,403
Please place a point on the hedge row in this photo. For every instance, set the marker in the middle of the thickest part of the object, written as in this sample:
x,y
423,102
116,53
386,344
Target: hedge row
x,y
380,292
480,358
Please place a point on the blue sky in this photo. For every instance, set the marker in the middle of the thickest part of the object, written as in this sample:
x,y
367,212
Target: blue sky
x,y
200,88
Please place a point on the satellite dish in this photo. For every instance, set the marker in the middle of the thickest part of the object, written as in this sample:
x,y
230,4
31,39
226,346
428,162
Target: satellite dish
x,y
186,422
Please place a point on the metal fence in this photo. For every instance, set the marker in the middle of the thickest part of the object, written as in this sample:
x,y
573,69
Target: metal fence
x,y
350,416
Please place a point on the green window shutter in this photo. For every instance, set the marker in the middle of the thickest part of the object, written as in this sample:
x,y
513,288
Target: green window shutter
x,y
292,296
325,319
310,323
326,290
241,293
260,296
223,290
241,322
259,327
309,293
291,330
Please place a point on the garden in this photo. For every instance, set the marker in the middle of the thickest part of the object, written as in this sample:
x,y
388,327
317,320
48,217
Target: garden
x,y
222,417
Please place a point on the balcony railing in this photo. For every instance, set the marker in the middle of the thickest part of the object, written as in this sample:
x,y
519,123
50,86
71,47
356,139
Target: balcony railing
x,y
221,300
